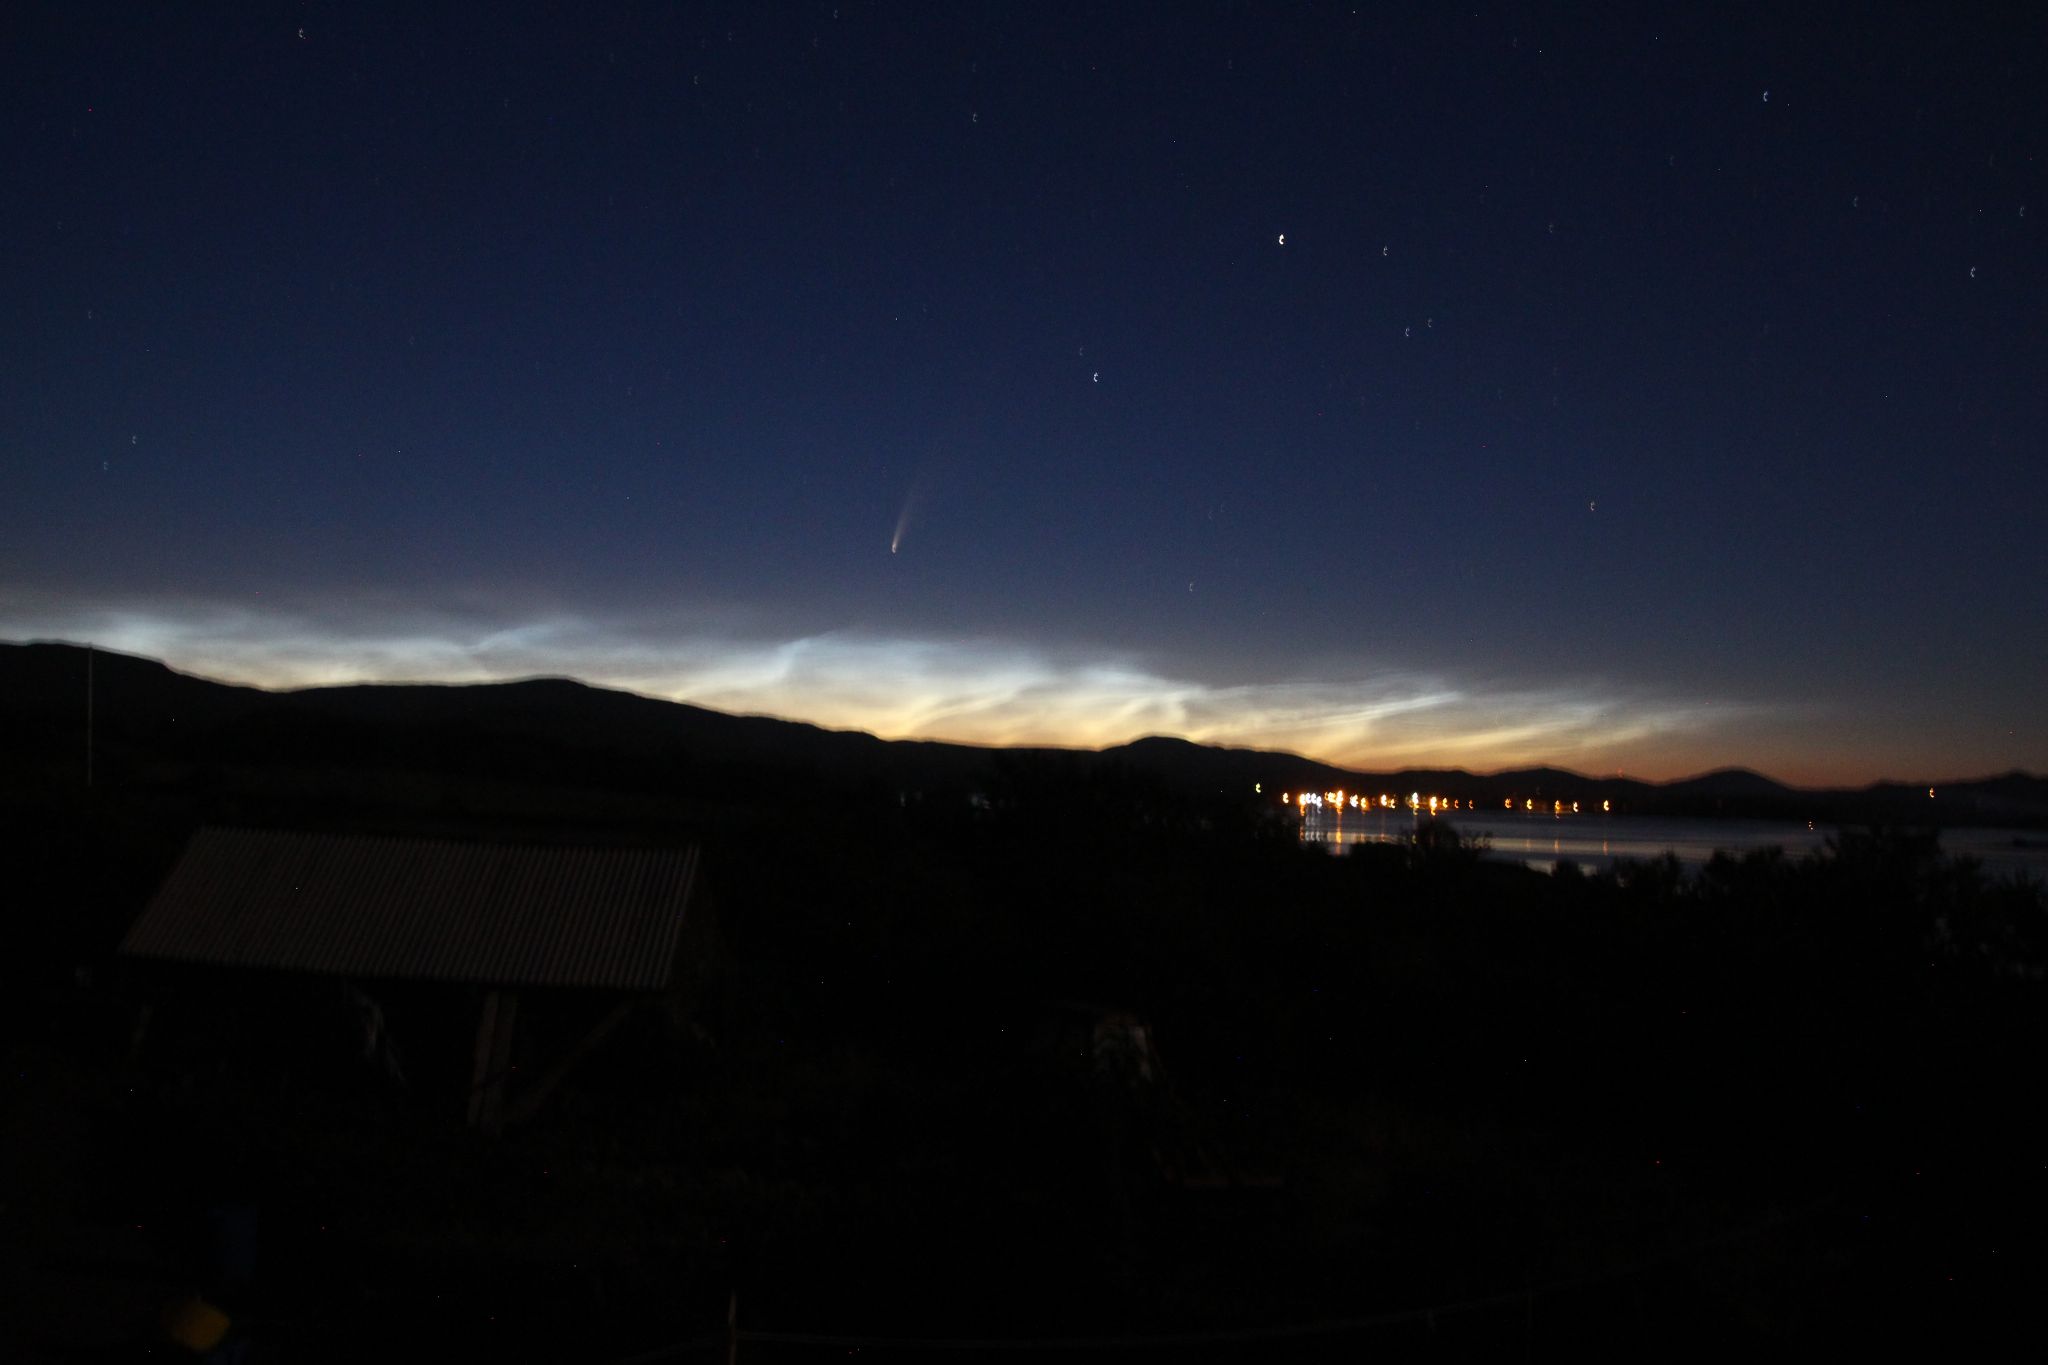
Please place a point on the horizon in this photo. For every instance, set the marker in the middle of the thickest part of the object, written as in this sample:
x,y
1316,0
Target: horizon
x,y
1356,770
1644,394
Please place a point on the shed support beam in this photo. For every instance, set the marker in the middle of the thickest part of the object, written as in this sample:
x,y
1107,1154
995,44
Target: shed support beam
x,y
493,1061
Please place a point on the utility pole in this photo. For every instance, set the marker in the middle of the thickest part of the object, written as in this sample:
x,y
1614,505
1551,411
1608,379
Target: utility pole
x,y
88,714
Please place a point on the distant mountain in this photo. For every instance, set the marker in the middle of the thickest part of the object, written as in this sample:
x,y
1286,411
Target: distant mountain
x,y
1726,782
150,719
2013,798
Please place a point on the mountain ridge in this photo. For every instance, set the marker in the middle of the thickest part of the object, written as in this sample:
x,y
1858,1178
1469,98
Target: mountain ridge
x,y
563,724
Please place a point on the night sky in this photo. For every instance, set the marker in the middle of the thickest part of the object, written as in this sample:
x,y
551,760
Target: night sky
x,y
1428,386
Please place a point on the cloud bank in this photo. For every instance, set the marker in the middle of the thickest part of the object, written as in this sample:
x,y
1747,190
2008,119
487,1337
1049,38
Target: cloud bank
x,y
979,691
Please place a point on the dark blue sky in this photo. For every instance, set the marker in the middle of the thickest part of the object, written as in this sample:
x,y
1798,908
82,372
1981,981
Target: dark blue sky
x,y
1646,393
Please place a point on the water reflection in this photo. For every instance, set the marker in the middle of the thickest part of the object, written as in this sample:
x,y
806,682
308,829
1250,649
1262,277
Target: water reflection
x,y
1596,842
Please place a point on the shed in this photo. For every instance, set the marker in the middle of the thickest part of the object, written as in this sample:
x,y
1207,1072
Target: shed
x,y
499,917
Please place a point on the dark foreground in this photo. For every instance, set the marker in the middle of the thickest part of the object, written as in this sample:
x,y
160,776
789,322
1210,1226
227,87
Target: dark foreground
x,y
1081,1061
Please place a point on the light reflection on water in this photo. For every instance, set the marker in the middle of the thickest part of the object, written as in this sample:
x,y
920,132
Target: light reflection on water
x,y
1597,842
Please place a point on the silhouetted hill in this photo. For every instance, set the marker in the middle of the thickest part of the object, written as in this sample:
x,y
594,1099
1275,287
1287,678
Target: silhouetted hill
x,y
561,732
1221,769
2012,786
1738,782
549,727
2013,798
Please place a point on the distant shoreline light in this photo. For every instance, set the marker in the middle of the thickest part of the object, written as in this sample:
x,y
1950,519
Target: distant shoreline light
x,y
1416,803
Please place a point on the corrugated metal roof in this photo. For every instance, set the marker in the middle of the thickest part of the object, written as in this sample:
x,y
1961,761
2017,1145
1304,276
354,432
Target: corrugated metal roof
x,y
351,905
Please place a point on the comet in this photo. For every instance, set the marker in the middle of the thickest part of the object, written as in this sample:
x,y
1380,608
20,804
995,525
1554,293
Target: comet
x,y
903,522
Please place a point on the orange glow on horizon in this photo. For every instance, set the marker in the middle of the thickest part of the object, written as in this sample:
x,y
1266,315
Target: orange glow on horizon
x,y
998,694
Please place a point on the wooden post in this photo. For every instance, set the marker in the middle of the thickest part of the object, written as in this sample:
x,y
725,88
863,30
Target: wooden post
x,y
135,1035
732,1329
480,1071
501,1065
523,1106
493,1060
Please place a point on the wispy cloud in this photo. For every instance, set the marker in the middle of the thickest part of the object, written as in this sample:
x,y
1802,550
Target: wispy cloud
x,y
973,690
